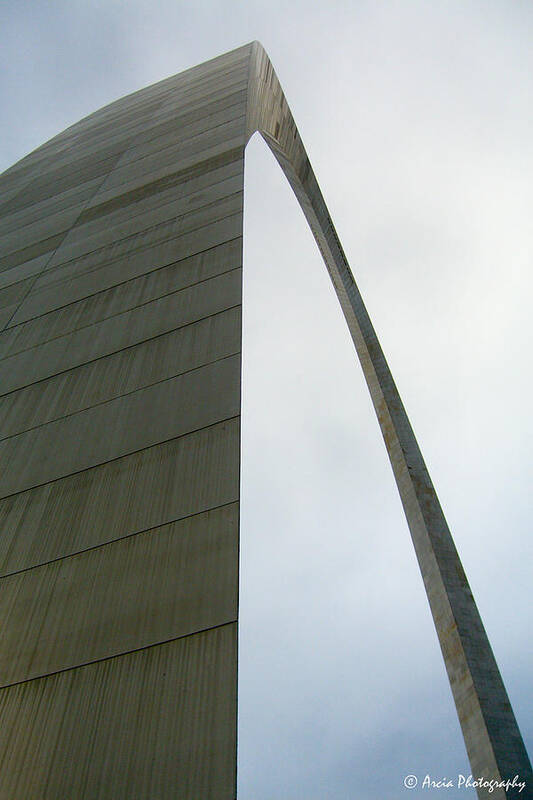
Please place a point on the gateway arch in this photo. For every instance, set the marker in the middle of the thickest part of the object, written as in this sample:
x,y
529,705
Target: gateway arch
x,y
120,376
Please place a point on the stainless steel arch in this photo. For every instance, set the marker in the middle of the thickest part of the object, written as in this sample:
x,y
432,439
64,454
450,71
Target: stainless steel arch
x,y
491,734
120,272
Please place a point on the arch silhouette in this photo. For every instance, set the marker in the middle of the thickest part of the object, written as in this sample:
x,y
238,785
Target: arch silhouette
x,y
121,244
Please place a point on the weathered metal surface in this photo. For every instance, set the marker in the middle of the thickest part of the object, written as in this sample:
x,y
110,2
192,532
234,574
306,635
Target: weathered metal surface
x,y
120,289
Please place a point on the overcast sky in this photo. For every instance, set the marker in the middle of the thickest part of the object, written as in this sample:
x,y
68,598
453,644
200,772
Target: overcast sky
x,y
418,120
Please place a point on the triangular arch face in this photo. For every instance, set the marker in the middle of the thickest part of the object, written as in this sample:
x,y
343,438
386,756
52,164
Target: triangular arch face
x,y
120,369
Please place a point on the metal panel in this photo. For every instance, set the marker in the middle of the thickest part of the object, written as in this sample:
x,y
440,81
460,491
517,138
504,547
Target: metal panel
x,y
163,483
123,330
156,723
166,582
120,373
170,408
64,286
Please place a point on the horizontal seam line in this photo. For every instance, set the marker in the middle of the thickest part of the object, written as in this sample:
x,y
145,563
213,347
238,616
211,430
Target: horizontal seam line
x,y
176,120
133,236
12,301
35,245
15,283
111,316
20,229
76,225
188,162
58,199
101,217
184,90
120,283
149,173
119,539
115,352
150,189
121,257
120,396
51,258
119,655
20,280
121,120
81,162
83,178
151,183
50,178
92,360
183,142
194,94
122,350
110,288
118,458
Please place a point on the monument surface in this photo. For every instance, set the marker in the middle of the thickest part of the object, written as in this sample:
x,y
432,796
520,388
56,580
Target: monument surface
x,y
120,315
